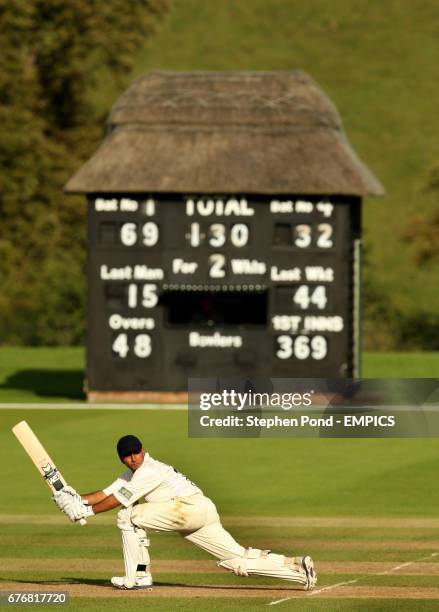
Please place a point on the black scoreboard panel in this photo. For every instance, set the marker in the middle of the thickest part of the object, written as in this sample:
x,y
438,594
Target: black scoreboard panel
x,y
198,286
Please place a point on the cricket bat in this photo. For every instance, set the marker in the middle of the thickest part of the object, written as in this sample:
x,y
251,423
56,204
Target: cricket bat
x,y
40,458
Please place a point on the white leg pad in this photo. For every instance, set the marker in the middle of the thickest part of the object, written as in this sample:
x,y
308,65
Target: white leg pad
x,y
130,546
264,563
134,544
144,558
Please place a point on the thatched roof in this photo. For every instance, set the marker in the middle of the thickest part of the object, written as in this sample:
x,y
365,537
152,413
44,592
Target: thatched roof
x,y
225,132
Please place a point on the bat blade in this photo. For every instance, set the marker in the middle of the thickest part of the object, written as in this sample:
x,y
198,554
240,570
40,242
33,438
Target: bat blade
x,y
40,458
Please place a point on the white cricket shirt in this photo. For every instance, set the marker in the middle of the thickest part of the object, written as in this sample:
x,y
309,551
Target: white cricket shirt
x,y
153,480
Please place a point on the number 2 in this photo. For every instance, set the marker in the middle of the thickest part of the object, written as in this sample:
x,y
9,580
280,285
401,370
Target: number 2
x,y
217,264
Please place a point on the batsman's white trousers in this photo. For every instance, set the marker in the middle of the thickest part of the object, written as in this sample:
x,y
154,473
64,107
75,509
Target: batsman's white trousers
x,y
195,517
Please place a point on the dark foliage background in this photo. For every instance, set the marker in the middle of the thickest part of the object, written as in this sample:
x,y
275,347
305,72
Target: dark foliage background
x,y
52,53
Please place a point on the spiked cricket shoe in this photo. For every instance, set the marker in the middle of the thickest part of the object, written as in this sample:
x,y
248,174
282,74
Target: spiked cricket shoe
x,y
140,582
311,576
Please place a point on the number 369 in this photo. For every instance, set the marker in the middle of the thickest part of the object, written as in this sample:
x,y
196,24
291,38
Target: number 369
x,y
301,347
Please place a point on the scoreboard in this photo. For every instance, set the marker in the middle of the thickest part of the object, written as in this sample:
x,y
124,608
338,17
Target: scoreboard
x,y
238,285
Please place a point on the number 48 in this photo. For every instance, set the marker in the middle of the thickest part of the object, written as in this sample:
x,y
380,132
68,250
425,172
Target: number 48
x,y
142,345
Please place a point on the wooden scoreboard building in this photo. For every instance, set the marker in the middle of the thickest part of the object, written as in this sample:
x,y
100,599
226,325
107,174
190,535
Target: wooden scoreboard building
x,y
224,222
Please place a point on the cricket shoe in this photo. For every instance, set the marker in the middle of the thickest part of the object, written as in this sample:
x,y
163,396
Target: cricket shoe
x,y
140,582
311,576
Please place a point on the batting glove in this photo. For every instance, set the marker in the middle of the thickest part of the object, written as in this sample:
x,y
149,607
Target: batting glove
x,y
71,491
65,500
78,511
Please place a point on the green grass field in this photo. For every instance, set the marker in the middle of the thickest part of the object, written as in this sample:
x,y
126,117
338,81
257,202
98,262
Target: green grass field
x,y
361,508
36,374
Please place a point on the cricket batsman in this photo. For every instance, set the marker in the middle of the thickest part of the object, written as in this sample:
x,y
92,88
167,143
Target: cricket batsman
x,y
155,496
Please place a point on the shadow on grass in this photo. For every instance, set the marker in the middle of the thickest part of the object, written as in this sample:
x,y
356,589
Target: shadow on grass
x,y
61,581
48,382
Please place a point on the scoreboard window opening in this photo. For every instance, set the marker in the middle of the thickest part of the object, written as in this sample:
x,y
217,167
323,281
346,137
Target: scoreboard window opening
x,y
215,309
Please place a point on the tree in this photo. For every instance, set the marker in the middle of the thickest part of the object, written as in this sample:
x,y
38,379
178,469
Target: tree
x,y
419,328
423,231
53,53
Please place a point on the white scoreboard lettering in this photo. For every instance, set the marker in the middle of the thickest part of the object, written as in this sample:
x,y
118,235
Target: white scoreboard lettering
x,y
301,347
218,234
147,234
140,345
